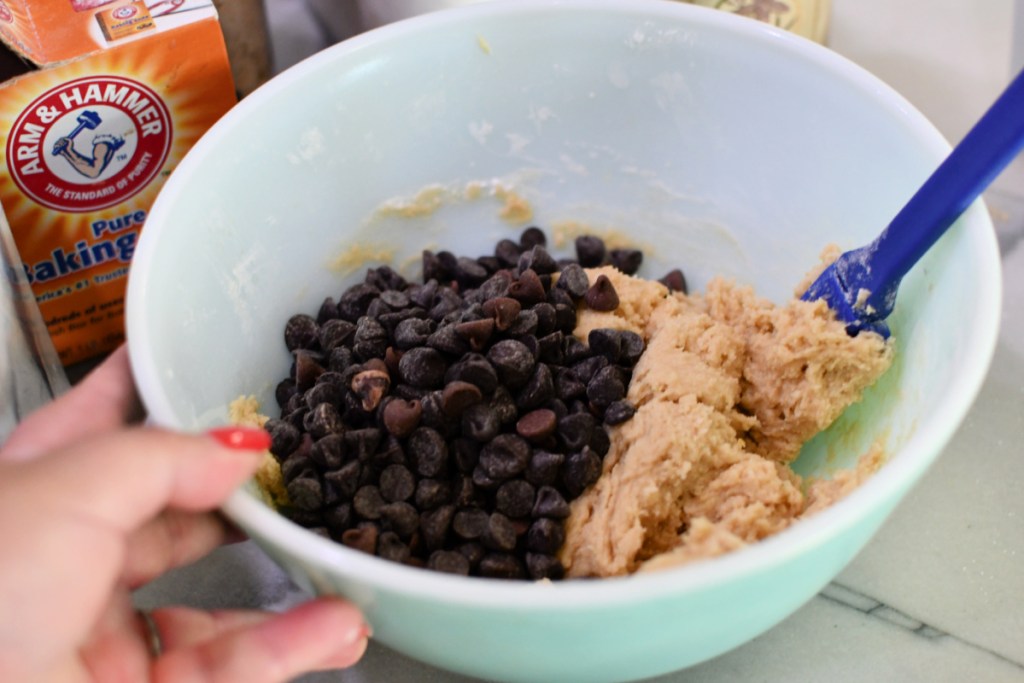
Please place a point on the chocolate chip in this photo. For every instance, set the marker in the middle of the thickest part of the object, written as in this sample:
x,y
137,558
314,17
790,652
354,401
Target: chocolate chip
x,y
470,523
422,367
400,517
545,536
390,547
370,339
483,481
328,311
600,442
675,281
448,340
338,519
339,359
606,386
376,309
502,566
544,468
506,456
306,492
480,422
539,389
354,302
618,412
602,295
580,470
384,278
537,425
538,260
590,251
335,333
413,332
500,534
401,417
433,413
549,502
363,538
515,498
371,386
567,386
525,324
368,502
432,493
473,551
395,299
527,289
360,444
475,369
465,452
449,562
565,318
541,566
284,390
503,406
476,332
300,332
435,525
428,451
440,266
549,349
495,287
507,252
585,369
626,260
469,272
457,396
284,437
322,420
397,483
345,479
532,237
574,280
574,431
504,310
329,452
513,361
307,369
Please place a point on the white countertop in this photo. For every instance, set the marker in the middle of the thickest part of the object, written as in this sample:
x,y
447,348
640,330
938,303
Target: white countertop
x,y
938,594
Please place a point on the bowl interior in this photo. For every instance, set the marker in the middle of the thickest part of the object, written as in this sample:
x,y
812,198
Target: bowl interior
x,y
719,145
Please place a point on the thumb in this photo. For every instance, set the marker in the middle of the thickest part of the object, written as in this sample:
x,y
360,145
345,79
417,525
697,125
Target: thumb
x,y
122,479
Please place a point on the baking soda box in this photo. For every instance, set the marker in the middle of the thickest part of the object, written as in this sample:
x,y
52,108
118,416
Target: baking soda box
x,y
122,90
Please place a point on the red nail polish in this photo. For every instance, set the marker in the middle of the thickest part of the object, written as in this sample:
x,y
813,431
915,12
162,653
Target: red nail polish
x,y
242,438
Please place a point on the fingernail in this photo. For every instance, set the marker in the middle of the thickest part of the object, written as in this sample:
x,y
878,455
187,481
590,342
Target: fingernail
x,y
242,438
358,634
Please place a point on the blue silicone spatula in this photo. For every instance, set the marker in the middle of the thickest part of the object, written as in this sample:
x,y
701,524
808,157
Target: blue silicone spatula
x,y
861,285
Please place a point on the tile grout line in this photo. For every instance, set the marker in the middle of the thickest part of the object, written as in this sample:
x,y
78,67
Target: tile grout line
x,y
894,617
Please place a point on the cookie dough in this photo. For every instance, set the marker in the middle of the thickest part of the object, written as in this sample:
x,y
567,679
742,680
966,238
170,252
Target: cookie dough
x,y
728,390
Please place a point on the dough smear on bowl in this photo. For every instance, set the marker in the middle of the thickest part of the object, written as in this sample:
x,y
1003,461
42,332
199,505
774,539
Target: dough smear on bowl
x,y
727,391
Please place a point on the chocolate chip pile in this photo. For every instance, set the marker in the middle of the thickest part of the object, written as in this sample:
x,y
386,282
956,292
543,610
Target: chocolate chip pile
x,y
449,424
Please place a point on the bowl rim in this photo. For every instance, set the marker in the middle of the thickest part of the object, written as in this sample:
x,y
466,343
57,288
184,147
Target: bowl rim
x,y
268,526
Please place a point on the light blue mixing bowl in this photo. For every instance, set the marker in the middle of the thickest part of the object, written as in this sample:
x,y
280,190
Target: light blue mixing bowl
x,y
719,144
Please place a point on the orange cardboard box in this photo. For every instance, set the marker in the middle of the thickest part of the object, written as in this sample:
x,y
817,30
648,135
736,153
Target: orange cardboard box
x,y
123,89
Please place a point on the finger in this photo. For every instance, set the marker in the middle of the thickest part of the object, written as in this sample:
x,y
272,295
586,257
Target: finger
x,y
174,538
105,399
83,502
121,480
326,633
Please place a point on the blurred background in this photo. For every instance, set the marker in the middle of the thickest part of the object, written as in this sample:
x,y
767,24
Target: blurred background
x,y
950,58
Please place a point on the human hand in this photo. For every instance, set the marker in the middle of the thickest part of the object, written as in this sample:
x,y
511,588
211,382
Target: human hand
x,y
91,508
62,145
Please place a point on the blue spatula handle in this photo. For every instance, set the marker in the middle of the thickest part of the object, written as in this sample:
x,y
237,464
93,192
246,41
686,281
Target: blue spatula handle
x,y
870,276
